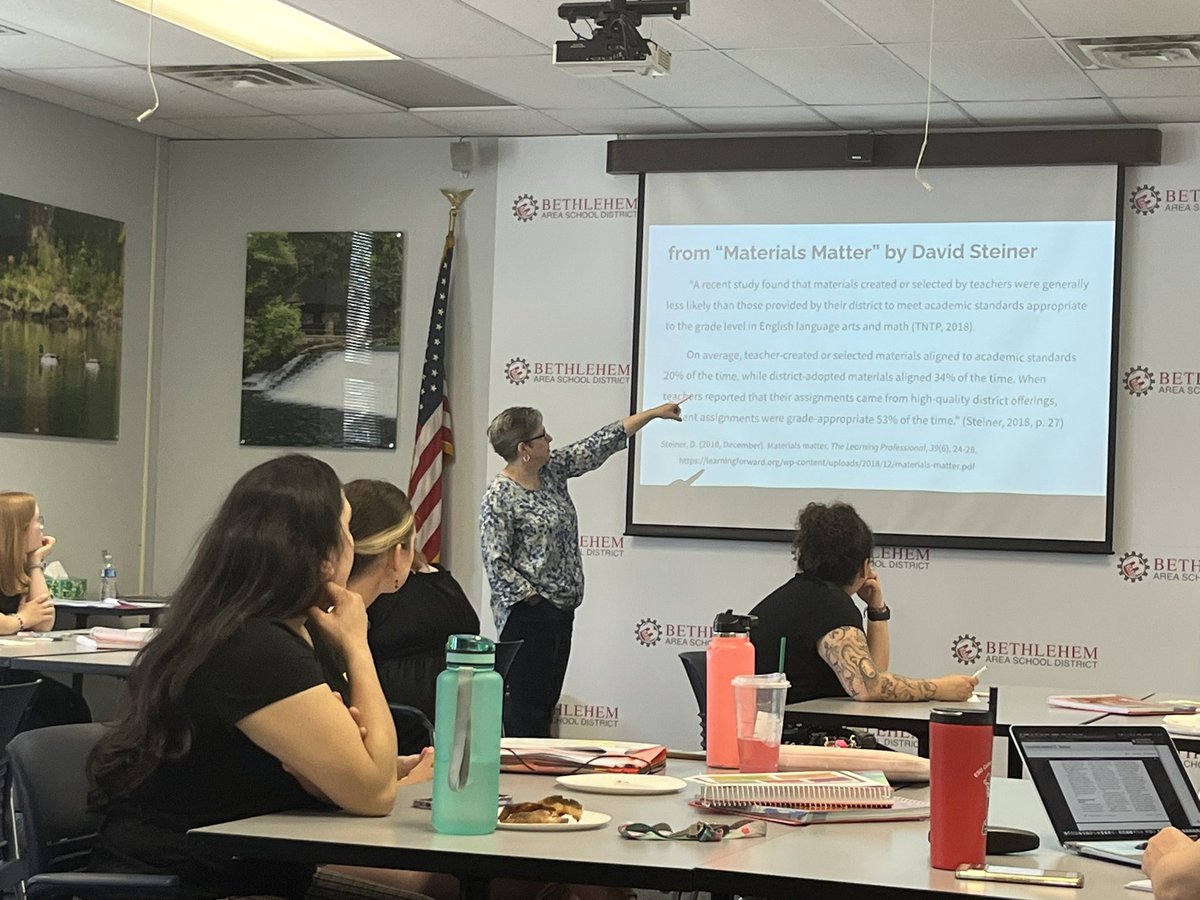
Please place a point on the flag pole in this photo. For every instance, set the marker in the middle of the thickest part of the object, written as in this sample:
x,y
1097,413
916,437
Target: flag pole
x,y
434,438
457,199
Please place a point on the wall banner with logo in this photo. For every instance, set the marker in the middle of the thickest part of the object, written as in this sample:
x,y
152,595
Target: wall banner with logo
x,y
562,342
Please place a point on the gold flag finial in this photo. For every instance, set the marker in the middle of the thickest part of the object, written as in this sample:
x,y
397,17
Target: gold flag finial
x,y
457,199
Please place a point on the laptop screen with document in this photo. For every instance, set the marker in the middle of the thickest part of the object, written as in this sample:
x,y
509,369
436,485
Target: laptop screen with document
x,y
1108,783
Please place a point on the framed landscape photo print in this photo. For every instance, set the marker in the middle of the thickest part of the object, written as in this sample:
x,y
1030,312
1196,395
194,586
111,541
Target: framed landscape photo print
x,y
62,296
321,346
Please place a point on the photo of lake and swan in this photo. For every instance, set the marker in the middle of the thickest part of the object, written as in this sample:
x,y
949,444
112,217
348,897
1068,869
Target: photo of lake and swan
x,y
62,294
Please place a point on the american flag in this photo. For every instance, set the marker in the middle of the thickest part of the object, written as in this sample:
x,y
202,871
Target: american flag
x,y
434,436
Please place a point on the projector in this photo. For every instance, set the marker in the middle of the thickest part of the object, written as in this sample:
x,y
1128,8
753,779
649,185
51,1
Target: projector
x,y
615,46
592,58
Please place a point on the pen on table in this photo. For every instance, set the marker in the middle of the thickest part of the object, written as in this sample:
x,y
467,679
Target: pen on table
x,y
979,672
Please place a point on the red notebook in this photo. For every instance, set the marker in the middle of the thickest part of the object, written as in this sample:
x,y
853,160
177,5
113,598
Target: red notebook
x,y
563,756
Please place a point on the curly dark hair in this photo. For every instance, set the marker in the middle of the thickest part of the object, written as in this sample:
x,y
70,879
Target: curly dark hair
x,y
832,542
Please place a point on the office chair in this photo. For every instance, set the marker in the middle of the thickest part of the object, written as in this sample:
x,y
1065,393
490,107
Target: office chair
x,y
414,731
50,784
695,663
15,700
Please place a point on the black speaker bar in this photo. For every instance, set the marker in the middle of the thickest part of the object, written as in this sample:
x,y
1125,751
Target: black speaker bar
x,y
1128,146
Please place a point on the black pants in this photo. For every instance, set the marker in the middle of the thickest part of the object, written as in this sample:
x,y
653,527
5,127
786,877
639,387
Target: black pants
x,y
535,678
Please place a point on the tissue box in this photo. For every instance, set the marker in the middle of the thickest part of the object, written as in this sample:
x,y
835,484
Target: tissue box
x,y
67,588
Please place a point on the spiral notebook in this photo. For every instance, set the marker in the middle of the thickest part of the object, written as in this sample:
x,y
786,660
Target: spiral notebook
x,y
808,790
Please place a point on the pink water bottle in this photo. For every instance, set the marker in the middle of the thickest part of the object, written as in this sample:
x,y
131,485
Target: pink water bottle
x,y
730,654
960,772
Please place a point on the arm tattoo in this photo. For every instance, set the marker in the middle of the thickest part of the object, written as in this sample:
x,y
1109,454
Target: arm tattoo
x,y
846,652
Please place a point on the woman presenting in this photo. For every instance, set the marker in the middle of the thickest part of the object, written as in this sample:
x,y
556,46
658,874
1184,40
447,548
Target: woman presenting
x,y
530,539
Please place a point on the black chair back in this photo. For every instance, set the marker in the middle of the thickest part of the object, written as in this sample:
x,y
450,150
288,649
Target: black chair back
x,y
413,728
695,663
50,784
505,652
15,700
414,731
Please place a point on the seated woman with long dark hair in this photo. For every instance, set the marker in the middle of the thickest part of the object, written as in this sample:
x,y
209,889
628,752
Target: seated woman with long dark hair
x,y
239,706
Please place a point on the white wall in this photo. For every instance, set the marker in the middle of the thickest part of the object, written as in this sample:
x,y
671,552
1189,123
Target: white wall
x,y
217,192
90,491
1140,634
1058,620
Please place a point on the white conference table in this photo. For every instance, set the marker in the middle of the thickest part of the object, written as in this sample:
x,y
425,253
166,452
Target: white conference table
x,y
84,662
891,860
406,840
59,651
49,643
1017,705
82,610
1188,742
852,860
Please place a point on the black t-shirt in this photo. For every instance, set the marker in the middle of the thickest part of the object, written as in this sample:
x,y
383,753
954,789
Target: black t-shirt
x,y
225,775
408,635
804,610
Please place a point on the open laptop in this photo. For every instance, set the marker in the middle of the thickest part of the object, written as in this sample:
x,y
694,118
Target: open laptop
x,y
1108,788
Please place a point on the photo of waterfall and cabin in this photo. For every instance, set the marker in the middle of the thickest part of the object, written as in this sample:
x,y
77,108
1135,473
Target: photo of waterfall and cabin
x,y
321,347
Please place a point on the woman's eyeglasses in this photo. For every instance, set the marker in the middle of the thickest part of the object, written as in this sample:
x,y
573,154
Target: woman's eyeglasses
x,y
536,437
41,520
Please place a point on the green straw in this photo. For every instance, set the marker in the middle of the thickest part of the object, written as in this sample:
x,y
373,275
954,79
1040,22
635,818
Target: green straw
x,y
782,651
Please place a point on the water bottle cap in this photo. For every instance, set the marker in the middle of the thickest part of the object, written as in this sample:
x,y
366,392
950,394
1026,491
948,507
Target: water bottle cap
x,y
730,623
470,650
961,716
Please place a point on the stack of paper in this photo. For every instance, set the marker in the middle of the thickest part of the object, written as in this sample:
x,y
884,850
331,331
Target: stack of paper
x,y
1120,705
101,638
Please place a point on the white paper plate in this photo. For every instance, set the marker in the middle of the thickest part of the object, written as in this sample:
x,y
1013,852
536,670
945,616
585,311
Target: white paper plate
x,y
615,783
1182,724
588,819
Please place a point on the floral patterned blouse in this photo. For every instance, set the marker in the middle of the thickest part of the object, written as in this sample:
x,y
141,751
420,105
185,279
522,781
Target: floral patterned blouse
x,y
530,538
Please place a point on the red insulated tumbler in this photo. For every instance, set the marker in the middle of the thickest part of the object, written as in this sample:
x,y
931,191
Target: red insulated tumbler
x,y
960,772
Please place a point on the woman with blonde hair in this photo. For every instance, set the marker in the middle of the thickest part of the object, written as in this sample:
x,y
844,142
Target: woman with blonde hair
x,y
412,611
25,601
26,605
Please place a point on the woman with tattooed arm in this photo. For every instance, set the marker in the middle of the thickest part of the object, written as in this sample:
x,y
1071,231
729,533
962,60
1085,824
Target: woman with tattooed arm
x,y
828,652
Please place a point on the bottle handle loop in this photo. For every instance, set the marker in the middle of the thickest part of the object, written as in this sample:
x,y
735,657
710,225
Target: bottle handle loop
x,y
460,754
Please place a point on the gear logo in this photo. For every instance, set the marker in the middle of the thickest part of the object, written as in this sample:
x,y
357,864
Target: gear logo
x,y
1145,200
525,208
966,649
648,632
517,370
1139,381
1133,566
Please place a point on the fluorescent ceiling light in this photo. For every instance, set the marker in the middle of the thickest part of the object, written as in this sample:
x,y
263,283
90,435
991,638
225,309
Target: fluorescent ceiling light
x,y
267,29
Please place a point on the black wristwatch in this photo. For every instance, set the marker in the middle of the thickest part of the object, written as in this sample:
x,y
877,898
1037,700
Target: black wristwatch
x,y
878,615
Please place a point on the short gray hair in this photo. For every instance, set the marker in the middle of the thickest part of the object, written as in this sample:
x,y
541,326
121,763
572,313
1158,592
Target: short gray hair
x,y
511,427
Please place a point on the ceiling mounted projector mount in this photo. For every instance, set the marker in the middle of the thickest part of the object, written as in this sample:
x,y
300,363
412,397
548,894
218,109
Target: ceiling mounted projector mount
x,y
615,46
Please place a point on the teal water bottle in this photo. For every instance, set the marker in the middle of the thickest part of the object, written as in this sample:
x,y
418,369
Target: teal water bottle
x,y
466,742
